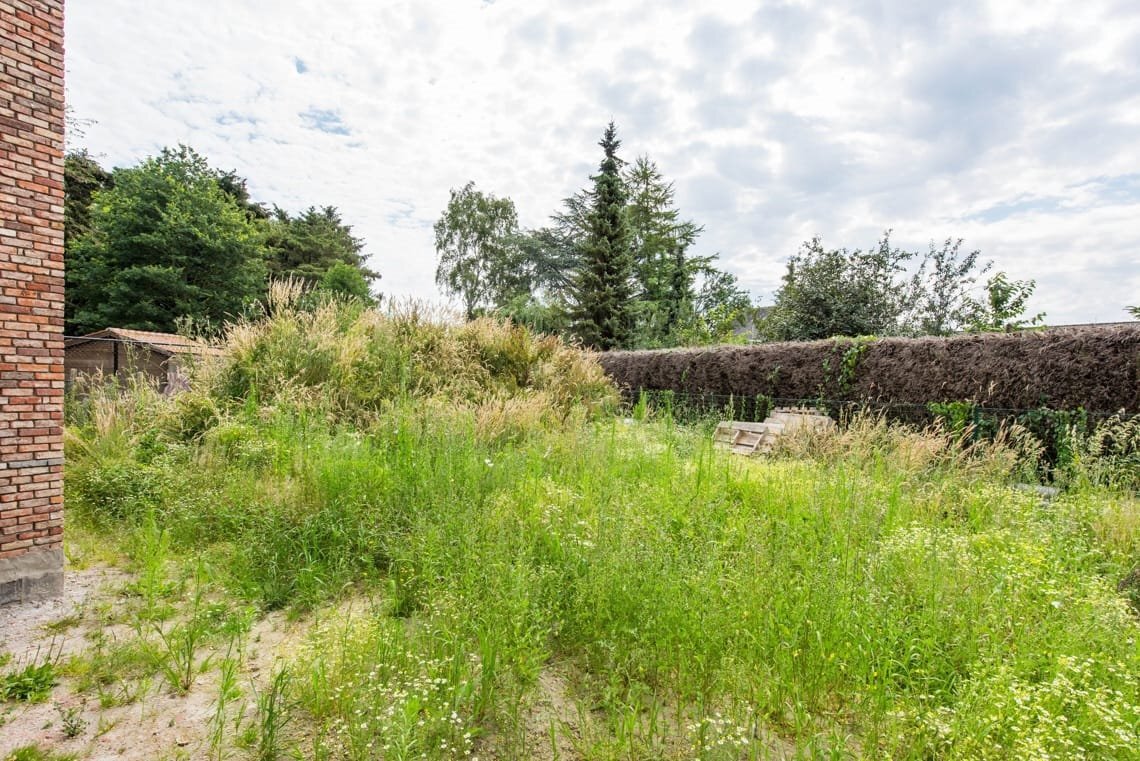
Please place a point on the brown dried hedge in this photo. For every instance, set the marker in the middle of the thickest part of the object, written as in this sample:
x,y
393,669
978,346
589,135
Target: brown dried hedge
x,y
1097,368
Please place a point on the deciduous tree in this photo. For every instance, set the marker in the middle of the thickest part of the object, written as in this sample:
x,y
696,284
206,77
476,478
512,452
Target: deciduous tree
x,y
1004,306
476,240
943,290
838,292
164,244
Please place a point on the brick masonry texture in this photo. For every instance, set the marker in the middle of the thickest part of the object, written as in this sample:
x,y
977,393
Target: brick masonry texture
x,y
31,288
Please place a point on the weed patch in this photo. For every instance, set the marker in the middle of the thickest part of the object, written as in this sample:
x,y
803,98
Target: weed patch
x,y
877,592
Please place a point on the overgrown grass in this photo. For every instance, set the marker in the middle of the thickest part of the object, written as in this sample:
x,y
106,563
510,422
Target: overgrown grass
x,y
879,594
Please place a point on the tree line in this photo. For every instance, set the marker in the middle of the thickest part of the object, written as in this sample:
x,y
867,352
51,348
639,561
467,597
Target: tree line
x,y
172,241
615,269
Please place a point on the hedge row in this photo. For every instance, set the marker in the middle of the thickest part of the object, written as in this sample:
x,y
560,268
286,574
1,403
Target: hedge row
x,y
1097,368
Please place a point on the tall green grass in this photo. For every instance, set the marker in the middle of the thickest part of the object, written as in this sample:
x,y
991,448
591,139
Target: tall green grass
x,y
878,594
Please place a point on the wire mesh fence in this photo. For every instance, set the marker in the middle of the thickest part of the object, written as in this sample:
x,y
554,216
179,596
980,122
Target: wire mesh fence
x,y
683,405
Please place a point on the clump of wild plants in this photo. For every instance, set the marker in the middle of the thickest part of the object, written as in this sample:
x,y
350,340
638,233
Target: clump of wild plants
x,y
1108,455
33,681
352,363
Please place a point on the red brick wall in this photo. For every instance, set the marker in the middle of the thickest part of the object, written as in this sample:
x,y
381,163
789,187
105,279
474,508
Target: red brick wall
x,y
31,276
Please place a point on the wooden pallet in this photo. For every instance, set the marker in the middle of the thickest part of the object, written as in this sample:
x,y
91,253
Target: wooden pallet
x,y
746,438
752,438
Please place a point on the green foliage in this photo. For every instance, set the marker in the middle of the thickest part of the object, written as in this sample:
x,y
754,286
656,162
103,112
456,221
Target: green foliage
x,y
317,248
838,292
603,286
82,178
475,238
613,268
117,491
116,670
536,315
875,590
1004,308
1059,433
175,648
273,714
944,303
720,306
1106,454
35,753
345,281
659,241
1066,447
31,684
847,355
962,418
173,241
352,363
372,677
164,242
71,720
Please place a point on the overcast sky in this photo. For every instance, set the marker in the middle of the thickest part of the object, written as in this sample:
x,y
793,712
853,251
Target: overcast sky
x,y
1013,125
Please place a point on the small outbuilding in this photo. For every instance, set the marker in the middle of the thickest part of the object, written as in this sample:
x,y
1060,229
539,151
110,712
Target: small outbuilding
x,y
120,352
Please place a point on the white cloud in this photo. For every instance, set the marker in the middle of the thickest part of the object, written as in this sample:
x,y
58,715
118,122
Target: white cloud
x,y
991,122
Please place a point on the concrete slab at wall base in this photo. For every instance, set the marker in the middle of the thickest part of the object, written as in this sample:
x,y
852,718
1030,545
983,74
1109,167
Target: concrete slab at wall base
x,y
32,576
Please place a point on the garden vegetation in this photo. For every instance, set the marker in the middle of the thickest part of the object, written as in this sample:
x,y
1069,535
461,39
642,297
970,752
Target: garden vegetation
x,y
496,565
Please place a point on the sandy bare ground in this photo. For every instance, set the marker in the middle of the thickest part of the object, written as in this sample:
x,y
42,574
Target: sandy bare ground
x,y
159,724
559,721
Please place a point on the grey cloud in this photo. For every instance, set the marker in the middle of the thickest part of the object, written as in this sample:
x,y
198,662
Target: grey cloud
x,y
403,214
426,29
637,59
792,26
1020,205
1093,137
706,193
535,31
758,72
971,96
745,164
723,111
979,71
635,108
565,38
713,43
811,162
713,40
924,19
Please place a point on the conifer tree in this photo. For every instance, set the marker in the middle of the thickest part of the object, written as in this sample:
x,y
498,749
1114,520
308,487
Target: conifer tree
x,y
603,289
659,245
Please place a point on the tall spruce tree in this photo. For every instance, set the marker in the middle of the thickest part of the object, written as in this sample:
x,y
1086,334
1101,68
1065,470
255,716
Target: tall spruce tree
x,y
603,289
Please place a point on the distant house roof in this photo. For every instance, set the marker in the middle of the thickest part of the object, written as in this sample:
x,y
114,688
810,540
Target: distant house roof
x,y
169,344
